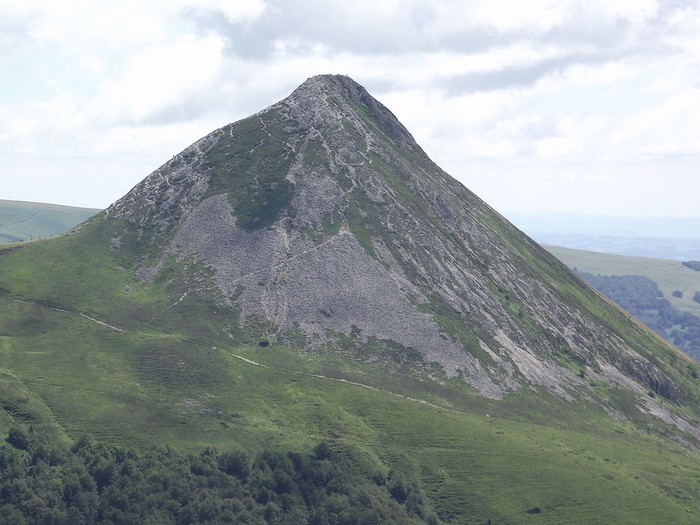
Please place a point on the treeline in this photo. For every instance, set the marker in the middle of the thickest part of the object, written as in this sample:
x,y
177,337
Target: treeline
x,y
642,297
42,482
693,265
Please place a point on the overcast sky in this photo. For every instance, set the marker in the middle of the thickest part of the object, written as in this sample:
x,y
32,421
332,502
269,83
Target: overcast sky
x,y
538,105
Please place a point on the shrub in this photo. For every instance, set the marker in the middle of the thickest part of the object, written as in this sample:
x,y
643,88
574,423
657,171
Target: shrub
x,y
19,438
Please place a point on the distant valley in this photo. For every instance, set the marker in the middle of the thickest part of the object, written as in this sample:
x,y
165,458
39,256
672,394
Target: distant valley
x,y
659,292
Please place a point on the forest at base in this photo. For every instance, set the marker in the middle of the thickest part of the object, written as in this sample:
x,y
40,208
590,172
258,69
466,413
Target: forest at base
x,y
44,482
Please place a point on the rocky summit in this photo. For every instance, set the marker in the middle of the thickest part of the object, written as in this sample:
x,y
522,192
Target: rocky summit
x,y
319,221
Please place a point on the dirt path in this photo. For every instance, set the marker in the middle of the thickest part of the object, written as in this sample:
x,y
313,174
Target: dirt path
x,y
344,381
71,312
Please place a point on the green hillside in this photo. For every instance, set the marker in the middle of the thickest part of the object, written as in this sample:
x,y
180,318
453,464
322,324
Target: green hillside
x,y
143,370
669,275
24,221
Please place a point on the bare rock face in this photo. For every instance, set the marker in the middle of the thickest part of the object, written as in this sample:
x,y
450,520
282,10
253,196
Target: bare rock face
x,y
321,216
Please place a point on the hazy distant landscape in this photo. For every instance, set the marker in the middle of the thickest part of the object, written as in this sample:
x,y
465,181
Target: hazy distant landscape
x,y
658,237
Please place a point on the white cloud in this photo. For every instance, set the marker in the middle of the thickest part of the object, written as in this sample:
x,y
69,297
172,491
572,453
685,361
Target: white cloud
x,y
37,126
632,10
237,11
76,22
505,15
544,98
160,77
671,128
546,15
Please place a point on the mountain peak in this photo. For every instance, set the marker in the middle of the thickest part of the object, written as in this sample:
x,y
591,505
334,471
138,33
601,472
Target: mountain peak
x,y
327,119
321,221
340,83
320,87
338,98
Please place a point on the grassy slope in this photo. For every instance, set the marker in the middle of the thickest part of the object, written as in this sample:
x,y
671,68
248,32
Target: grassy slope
x,y
23,221
669,275
165,372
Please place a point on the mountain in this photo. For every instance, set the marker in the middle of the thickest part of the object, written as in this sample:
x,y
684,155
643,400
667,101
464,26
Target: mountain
x,y
24,221
320,218
308,274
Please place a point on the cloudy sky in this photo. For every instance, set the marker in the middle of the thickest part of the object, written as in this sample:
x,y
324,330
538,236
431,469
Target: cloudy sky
x,y
544,105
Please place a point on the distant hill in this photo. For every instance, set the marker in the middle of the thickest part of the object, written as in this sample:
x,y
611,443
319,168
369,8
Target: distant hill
x,y
24,221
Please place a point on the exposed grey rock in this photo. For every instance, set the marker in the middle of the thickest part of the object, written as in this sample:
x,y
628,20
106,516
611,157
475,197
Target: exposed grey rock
x,y
293,282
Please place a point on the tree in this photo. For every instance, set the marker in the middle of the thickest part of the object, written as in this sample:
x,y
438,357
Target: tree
x,y
19,438
693,265
235,463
